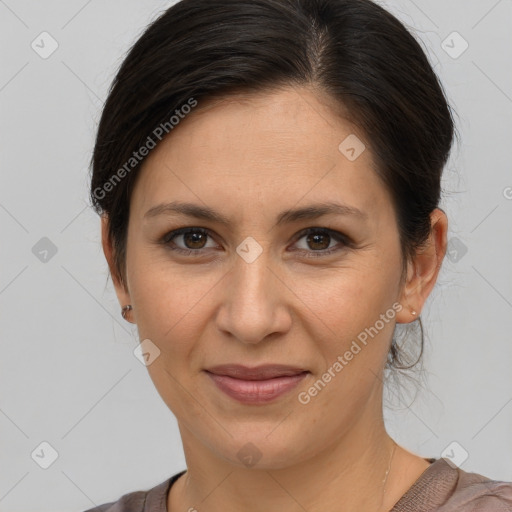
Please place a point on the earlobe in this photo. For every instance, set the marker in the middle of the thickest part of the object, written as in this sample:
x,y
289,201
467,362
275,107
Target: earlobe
x,y
122,293
409,311
423,271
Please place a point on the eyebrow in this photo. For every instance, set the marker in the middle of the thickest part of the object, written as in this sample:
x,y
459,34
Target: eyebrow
x,y
287,216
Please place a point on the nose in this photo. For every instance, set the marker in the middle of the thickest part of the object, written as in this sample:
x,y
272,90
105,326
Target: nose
x,y
254,301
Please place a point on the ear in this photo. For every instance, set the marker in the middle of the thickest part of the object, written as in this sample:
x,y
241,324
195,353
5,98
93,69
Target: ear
x,y
122,292
422,272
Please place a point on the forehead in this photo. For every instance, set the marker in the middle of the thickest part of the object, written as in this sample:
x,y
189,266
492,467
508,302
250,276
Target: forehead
x,y
252,151
293,122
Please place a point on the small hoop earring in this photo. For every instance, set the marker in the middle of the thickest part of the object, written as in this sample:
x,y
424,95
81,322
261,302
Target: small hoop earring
x,y
125,310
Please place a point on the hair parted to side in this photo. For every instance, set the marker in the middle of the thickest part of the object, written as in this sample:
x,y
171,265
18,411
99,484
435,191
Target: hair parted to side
x,y
353,51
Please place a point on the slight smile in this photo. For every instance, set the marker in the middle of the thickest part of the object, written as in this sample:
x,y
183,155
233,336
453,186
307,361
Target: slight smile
x,y
257,385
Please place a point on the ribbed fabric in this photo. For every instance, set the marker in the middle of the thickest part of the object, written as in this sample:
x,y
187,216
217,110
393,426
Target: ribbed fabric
x,y
440,488
444,488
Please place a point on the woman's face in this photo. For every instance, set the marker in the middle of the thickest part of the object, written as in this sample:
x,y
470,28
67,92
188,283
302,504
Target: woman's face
x,y
258,290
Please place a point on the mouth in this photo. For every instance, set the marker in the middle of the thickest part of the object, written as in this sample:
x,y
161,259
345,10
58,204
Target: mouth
x,y
255,385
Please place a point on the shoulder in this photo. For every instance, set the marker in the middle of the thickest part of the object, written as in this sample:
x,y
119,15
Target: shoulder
x,y
130,502
150,500
444,487
477,493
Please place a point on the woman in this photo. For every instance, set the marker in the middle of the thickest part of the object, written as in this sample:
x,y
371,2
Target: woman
x,y
268,178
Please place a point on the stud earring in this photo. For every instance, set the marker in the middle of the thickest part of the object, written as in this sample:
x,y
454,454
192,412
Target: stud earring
x,y
413,312
125,310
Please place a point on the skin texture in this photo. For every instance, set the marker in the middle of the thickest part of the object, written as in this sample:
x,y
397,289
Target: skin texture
x,y
249,157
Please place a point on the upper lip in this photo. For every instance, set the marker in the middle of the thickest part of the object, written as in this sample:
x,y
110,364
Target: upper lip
x,y
268,371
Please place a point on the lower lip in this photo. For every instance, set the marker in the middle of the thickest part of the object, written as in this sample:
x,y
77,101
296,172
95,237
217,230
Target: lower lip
x,y
256,391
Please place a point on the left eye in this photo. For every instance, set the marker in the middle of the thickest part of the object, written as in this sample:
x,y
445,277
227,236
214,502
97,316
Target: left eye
x,y
322,237
318,238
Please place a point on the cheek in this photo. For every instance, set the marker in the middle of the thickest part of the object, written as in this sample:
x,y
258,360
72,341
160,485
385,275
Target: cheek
x,y
353,340
171,312
350,299
171,303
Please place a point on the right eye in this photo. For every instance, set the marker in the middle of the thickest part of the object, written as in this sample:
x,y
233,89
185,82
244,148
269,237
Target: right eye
x,y
191,236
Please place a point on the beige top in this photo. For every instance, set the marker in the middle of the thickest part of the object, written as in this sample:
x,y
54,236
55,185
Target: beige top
x,y
440,488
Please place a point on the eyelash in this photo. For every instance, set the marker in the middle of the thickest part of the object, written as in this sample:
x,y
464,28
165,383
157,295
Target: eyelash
x,y
346,242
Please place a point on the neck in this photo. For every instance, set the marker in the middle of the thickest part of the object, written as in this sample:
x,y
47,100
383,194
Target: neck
x,y
347,474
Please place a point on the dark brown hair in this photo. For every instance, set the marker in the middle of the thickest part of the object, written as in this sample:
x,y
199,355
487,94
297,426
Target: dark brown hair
x,y
354,51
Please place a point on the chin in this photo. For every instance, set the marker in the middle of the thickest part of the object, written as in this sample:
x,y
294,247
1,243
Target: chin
x,y
263,451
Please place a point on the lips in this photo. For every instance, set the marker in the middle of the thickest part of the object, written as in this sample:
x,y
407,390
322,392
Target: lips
x,y
257,385
263,372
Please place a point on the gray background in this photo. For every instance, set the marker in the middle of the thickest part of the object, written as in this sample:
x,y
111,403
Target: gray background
x,y
67,371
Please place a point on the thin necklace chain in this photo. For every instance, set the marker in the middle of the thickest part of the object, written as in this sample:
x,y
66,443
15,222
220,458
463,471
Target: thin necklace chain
x,y
386,475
